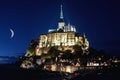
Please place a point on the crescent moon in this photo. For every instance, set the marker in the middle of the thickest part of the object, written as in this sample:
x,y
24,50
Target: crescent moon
x,y
12,33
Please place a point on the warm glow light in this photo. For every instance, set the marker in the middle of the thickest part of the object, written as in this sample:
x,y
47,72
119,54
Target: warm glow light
x,y
96,64
53,67
68,69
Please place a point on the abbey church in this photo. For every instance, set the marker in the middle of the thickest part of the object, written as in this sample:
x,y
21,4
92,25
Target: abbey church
x,y
64,37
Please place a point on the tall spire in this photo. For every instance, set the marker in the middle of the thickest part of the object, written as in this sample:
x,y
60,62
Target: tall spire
x,y
61,13
61,22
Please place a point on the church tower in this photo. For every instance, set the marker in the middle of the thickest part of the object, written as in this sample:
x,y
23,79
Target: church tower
x,y
61,22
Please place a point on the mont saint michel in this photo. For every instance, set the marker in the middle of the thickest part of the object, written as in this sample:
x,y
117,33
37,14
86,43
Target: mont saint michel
x,y
64,50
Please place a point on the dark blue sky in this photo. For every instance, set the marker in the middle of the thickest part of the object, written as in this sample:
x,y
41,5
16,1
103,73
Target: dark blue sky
x,y
99,19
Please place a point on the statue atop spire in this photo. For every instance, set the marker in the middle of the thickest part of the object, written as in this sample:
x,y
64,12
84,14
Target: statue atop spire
x,y
61,13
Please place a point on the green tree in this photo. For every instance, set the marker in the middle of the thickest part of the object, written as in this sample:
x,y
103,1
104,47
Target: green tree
x,y
32,46
77,51
67,55
53,52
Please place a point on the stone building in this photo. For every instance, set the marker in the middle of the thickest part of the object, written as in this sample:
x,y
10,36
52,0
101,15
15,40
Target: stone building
x,y
64,37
